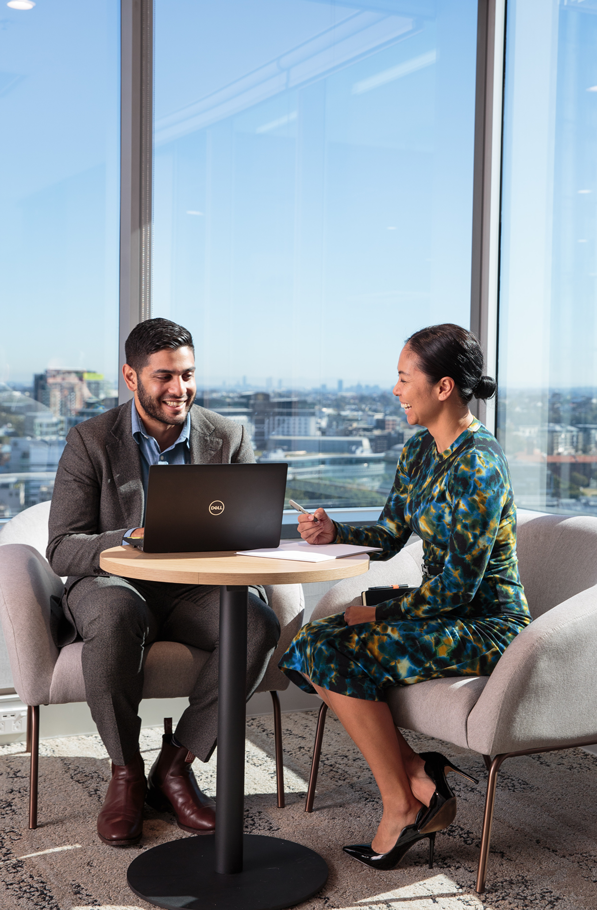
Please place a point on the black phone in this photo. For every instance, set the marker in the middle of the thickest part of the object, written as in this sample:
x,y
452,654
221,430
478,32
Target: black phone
x,y
134,542
377,595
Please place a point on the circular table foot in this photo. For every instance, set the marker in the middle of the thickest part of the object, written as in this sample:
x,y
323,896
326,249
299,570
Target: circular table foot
x,y
277,873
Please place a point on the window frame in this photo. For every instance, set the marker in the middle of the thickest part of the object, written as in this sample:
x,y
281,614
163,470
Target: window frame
x,y
137,41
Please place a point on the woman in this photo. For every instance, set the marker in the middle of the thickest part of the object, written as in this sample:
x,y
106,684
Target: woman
x,y
452,488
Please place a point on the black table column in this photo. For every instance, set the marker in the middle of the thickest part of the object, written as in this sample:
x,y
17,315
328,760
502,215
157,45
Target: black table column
x,y
231,870
232,721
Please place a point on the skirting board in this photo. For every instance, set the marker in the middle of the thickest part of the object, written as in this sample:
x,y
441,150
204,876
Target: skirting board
x,y
75,719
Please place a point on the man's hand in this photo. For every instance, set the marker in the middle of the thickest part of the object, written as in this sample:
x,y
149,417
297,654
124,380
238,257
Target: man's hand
x,y
355,615
138,532
317,532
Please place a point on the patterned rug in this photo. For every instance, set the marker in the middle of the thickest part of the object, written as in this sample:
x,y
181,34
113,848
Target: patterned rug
x,y
543,854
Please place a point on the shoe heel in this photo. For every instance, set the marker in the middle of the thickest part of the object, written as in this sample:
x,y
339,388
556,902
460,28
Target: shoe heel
x,y
431,849
440,819
452,767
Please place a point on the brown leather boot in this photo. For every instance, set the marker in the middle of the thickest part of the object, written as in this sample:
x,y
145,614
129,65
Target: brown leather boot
x,y
121,818
171,786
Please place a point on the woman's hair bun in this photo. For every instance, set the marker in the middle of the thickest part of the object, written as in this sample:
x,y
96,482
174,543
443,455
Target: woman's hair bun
x,y
449,350
485,388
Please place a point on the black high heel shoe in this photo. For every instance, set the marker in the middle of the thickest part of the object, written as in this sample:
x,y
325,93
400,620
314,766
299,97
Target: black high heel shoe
x,y
408,837
442,808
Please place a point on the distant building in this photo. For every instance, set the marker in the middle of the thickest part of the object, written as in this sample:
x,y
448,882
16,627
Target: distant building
x,y
238,415
43,423
30,468
92,408
280,417
12,497
65,392
587,438
42,454
561,440
342,445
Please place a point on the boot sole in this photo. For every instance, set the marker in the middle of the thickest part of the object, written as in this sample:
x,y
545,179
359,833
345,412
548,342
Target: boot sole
x,y
129,842
160,803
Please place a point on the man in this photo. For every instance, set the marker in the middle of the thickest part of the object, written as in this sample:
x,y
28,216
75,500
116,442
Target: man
x,y
99,497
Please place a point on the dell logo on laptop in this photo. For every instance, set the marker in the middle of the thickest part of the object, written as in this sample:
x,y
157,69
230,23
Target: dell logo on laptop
x,y
216,507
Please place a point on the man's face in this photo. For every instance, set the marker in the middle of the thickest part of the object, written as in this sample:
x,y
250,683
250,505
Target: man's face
x,y
165,387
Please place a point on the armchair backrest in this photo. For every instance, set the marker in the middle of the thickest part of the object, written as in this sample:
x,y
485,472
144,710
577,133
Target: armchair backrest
x,y
557,557
29,527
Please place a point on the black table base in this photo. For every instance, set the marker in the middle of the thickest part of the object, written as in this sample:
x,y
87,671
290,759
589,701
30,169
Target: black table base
x,y
277,873
229,870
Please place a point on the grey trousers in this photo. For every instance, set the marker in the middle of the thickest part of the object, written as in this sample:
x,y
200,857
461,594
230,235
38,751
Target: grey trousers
x,y
117,618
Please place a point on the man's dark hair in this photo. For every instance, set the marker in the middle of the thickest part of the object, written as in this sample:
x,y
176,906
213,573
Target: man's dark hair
x,y
154,335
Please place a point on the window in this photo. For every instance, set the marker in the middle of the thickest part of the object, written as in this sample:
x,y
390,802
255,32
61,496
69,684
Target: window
x,y
313,168
547,415
59,218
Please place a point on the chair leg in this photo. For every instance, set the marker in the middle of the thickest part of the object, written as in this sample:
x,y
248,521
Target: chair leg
x,y
487,820
33,742
278,746
316,755
28,740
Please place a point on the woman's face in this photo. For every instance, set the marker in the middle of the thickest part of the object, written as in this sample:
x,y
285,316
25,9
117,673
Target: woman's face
x,y
416,394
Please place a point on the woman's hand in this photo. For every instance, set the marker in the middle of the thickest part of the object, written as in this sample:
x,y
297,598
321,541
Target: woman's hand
x,y
317,532
355,615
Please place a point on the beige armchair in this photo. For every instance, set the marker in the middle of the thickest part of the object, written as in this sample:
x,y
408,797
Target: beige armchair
x,y
542,694
46,675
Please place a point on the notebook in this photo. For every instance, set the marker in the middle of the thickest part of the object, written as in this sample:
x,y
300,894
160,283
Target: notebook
x,y
202,508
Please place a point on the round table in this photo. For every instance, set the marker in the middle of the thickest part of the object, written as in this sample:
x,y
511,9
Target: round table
x,y
229,870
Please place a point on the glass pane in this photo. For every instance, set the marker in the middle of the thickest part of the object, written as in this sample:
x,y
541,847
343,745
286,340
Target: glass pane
x,y
312,208
59,223
547,420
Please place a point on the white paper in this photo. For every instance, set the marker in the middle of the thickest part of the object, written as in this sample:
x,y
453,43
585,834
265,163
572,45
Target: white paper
x,y
302,551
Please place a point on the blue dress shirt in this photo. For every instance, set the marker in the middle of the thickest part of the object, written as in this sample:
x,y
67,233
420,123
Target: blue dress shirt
x,y
178,453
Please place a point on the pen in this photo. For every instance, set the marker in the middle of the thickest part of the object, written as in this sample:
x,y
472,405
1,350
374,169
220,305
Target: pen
x,y
298,508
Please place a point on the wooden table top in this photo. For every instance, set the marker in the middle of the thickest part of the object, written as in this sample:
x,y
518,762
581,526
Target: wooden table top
x,y
225,568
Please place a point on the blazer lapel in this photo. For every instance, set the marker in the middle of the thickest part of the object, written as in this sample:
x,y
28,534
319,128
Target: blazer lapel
x,y
206,447
125,462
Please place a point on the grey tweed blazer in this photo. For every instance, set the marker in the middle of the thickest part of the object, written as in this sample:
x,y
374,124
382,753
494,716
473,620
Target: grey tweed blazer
x,y
98,493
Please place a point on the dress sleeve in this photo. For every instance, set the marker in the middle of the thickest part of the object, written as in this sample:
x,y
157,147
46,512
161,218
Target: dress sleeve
x,y
391,531
478,493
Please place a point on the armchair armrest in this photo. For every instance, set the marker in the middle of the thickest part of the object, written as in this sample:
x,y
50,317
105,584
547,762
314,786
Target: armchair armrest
x,y
26,585
288,603
542,692
404,568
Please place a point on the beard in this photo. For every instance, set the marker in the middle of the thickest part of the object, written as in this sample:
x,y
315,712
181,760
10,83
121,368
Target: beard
x,y
153,407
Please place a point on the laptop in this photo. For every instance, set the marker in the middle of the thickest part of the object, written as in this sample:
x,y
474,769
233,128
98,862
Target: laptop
x,y
195,508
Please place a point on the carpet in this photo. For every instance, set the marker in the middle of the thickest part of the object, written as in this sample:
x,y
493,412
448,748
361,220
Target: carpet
x,y
543,854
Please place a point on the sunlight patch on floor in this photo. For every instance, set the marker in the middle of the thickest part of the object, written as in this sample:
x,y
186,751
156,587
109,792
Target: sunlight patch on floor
x,y
52,850
257,761
435,893
110,907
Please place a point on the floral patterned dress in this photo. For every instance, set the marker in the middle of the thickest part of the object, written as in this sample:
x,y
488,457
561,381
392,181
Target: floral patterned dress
x,y
470,605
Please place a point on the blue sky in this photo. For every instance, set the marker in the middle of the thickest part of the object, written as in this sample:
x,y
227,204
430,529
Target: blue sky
x,y
313,181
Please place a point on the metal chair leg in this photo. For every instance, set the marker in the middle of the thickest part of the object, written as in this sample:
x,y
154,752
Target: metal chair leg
x,y
316,755
278,746
33,742
487,820
28,740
